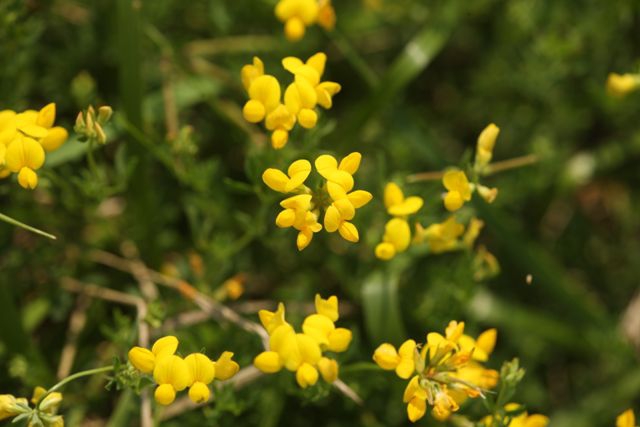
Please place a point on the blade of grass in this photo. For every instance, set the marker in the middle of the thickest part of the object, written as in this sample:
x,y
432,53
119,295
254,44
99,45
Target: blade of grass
x,y
381,307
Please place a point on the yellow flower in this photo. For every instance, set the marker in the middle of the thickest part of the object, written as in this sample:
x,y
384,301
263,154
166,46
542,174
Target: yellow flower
x,y
402,361
441,237
396,239
50,403
484,147
524,419
24,156
202,371
145,360
336,198
622,84
172,374
397,204
296,15
308,85
626,419
225,367
250,72
234,286
459,189
302,352
10,406
326,15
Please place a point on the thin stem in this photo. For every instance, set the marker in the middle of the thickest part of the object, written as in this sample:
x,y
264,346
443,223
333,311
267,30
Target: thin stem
x,y
70,378
516,162
17,223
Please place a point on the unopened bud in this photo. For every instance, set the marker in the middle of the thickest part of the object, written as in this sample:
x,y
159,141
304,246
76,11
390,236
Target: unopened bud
x,y
104,114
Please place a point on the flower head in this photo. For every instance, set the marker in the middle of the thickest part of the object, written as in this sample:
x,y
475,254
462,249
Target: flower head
x,y
297,15
458,189
397,233
302,353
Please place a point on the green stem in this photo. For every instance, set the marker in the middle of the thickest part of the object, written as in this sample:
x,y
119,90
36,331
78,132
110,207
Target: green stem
x,y
17,223
70,378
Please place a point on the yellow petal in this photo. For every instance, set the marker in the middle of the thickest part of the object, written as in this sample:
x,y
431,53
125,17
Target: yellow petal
x,y
268,362
54,139
298,171
251,72
47,116
453,201
325,92
348,231
292,99
33,130
410,206
307,118
266,90
392,195
306,375
27,178
142,359
325,164
488,136
351,163
416,409
291,64
275,179
199,392
286,218
405,368
398,233
487,340
309,349
386,356
304,239
626,419
294,29
339,340
318,327
328,369
359,198
538,420
24,152
225,367
254,111
317,62
327,307
172,370
165,394
201,367
345,208
279,138
306,91
336,191
165,346
385,251
332,219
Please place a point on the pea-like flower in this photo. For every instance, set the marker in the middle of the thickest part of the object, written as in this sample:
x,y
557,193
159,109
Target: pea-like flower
x,y
173,373
302,353
281,112
484,147
297,15
620,85
336,197
24,139
458,189
626,419
397,233
443,371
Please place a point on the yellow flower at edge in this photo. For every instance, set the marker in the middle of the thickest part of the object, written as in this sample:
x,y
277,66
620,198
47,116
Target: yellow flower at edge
x,y
297,15
396,239
402,361
621,84
626,419
10,406
145,360
459,189
172,374
441,237
308,75
24,156
202,371
484,147
522,420
297,173
326,15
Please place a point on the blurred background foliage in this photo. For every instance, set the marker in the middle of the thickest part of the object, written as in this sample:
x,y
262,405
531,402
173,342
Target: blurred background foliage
x,y
181,178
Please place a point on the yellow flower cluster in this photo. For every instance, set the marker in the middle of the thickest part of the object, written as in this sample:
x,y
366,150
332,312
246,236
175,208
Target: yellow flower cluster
x,y
302,353
173,373
24,138
302,96
455,181
397,233
626,419
521,420
45,415
444,371
336,197
297,15
621,84
449,235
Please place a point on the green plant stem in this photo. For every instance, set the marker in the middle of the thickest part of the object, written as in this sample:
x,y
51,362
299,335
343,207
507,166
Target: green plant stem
x,y
17,223
70,378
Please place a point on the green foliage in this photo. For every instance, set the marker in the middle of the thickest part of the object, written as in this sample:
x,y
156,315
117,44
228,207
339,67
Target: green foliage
x,y
420,80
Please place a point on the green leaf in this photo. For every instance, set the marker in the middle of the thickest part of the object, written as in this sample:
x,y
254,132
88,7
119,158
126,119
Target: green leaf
x,y
381,308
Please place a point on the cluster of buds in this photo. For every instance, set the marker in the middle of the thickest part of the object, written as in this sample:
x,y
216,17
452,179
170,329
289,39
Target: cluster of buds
x,y
443,372
620,85
301,97
297,15
455,181
449,235
172,373
24,139
43,414
335,196
90,126
397,233
302,353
